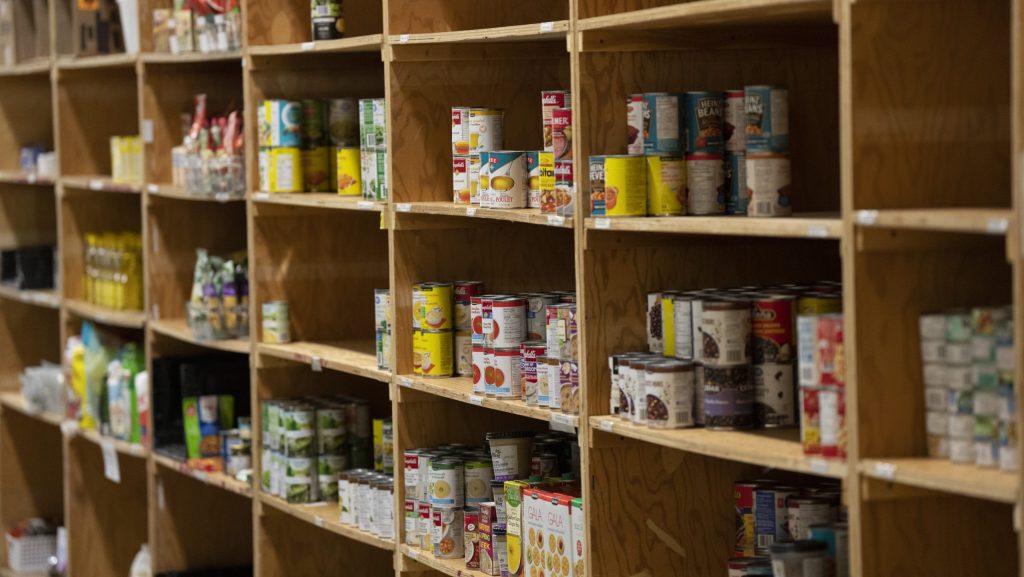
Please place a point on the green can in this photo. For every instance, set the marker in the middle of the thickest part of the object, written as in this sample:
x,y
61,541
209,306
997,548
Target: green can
x,y
330,430
314,123
299,486
299,431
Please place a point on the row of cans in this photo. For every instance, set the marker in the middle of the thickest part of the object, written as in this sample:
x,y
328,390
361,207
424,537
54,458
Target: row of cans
x,y
366,501
314,123
755,119
476,130
347,171
337,426
301,480
514,179
527,374
770,511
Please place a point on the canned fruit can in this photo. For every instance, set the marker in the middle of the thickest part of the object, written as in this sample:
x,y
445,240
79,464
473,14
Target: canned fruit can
x,y
447,483
343,122
432,306
432,353
704,122
662,132
725,330
281,123
635,124
348,172
767,119
373,173
486,130
461,191
737,201
372,123
768,185
275,322
460,130
508,322
551,100
618,186
563,202
463,354
315,170
774,394
448,533
507,179
284,170
669,394
734,122
728,398
561,133
705,184
314,123
541,180
666,185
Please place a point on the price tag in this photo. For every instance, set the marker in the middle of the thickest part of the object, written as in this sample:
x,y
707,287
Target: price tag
x,y
997,225
111,468
31,179
547,26
603,223
137,449
476,400
364,205
153,188
606,425
403,207
405,382
819,466
555,220
412,553
96,184
69,428
817,231
261,196
562,422
147,131
866,217
156,311
222,197
471,211
243,61
316,364
318,521
403,39
885,470
308,46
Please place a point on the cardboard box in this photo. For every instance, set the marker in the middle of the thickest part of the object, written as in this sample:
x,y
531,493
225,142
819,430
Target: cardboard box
x,y
488,558
558,526
579,539
534,532
514,522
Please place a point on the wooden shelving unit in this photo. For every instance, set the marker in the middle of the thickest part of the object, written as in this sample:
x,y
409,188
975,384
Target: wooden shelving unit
x,y
907,123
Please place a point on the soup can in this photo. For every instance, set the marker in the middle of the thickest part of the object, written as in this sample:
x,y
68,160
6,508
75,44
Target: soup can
x,y
479,367
448,533
734,122
412,525
447,483
432,305
669,394
460,130
774,329
636,131
426,525
736,200
767,119
536,314
560,330
479,472
486,130
506,366
768,184
460,180
281,123
348,172
705,184
551,100
316,176
343,122
568,387
565,190
666,185
663,130
463,354
263,168
618,186
473,175
489,381
507,179
728,398
530,353
508,322
770,515
554,378
540,165
464,291
284,170
726,331
483,192
561,133
476,319
383,345
432,353
810,419
704,122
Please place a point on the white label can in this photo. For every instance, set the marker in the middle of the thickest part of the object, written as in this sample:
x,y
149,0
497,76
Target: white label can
x,y
768,185
506,364
705,184
669,394
463,354
508,322
508,179
461,192
735,121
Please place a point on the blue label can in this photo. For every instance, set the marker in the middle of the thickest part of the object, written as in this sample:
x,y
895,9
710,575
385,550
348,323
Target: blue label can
x,y
662,132
736,199
767,114
704,122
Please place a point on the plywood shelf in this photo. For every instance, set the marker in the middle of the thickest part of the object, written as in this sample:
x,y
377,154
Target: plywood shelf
x,y
179,329
28,68
325,516
43,298
452,567
713,13
177,192
517,33
218,480
16,402
105,316
122,447
810,225
318,200
189,57
996,221
771,448
945,476
461,389
93,62
523,215
99,183
19,177
352,357
367,43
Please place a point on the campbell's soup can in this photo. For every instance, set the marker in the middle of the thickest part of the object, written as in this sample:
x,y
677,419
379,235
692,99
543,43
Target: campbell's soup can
x,y
829,355
487,317
767,119
464,291
530,352
473,166
666,185
540,165
536,314
507,179
448,533
460,130
478,369
663,129
476,315
550,100
635,125
507,364
618,185
736,198
412,517
461,190
565,189
734,122
561,127
705,184
489,388
426,525
704,122
432,353
432,306
463,354
508,322
768,185
486,130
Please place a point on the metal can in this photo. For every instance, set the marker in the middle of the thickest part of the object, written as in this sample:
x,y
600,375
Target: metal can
x,y
705,184
806,511
343,122
663,132
734,123
275,322
750,567
541,168
767,119
829,353
479,472
529,354
476,319
281,123
284,170
770,515
506,365
373,173
299,484
704,122
472,535
483,192
669,394
832,407
331,432
464,291
618,185
473,169
561,331
728,398
425,525
543,389
666,185
432,353
314,123
554,374
774,327
768,184
726,329
565,190
383,346
561,133
836,537
411,471
327,20
551,100
461,192
460,130
508,322
432,305
372,123
818,303
486,130
655,328
463,354
412,525
263,168
536,314
479,366
774,395
486,316
488,370
743,499
507,179
810,419
737,201
382,309
348,172
316,175
447,483
568,387
636,127
682,326
447,537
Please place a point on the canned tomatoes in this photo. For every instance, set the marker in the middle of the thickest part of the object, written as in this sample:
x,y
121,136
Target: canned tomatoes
x,y
486,130
767,119
768,185
734,122
726,328
432,306
565,190
551,100
347,172
662,126
540,166
460,130
461,191
737,200
728,398
561,127
508,322
618,186
506,365
666,185
507,179
705,184
704,122
432,353
635,125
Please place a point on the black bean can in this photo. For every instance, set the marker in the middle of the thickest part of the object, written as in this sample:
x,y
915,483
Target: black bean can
x,y
728,397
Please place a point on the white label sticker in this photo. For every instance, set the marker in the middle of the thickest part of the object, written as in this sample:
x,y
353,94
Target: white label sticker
x,y
476,400
364,205
318,521
885,470
403,207
867,217
997,225
404,38
156,311
602,223
606,425
412,553
562,422
316,364
261,196
471,211
405,382
307,46
817,231
819,466
69,428
556,220
153,188
222,197
96,184
161,499
111,468
147,131
547,26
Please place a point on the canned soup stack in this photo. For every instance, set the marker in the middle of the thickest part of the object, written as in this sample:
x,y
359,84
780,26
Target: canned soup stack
x,y
967,365
485,174
514,346
698,153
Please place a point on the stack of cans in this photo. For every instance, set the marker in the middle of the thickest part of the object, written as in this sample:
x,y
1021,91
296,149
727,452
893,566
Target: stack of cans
x,y
373,148
366,501
767,151
280,125
316,157
822,380
382,326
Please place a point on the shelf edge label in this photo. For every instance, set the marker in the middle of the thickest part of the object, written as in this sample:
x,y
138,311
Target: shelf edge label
x,y
111,468
885,471
562,422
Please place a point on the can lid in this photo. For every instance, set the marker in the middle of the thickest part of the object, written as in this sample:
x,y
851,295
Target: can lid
x,y
807,545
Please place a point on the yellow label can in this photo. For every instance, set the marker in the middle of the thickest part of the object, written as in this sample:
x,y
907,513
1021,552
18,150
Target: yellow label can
x,y
432,353
284,172
432,306
618,185
316,170
666,185
349,172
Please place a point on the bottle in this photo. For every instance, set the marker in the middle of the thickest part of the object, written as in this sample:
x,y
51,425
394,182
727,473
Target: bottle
x,y
141,566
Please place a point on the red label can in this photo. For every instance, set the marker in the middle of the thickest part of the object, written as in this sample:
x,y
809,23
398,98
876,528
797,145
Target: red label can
x,y
830,346
561,133
508,322
479,366
472,520
743,496
550,100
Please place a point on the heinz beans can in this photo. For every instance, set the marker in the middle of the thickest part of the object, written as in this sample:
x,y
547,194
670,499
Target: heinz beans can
x,y
507,179
618,186
662,125
666,185
767,119
704,122
705,184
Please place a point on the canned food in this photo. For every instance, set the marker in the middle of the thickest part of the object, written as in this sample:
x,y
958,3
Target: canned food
x,y
382,309
818,304
372,123
426,525
432,306
568,387
561,331
314,123
774,394
682,326
705,184
486,130
832,408
471,519
806,511
829,353
551,100
704,122
343,122
810,419
636,127
315,170
284,170
561,133
750,567
275,322
330,431
728,398
460,130
737,201
726,329
483,192
549,396
536,314
473,169
328,23
263,168
447,483
461,193
743,498
507,179
505,367
662,123
655,328
412,517
299,485
479,472
666,185
281,123
618,186
734,123
541,168
508,322
348,172
543,390
768,185
565,190
383,345
774,324
373,173
447,537
463,354
432,353
767,119
669,394
476,316
529,353
770,515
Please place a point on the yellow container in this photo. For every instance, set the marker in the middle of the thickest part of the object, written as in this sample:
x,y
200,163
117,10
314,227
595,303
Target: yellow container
x,y
432,306
432,353
819,304
666,185
618,185
284,172
349,172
